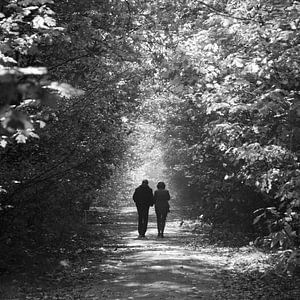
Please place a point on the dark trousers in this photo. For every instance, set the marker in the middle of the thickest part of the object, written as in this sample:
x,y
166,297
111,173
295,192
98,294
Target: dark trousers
x,y
143,212
161,216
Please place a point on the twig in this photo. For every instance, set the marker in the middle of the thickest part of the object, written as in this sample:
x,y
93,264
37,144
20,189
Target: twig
x,y
68,60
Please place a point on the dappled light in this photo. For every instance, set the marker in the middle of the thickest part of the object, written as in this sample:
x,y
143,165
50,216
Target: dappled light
x,y
162,268
149,149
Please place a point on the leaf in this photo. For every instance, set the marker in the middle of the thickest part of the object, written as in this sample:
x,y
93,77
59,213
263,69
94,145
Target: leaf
x,y
238,62
34,135
3,143
279,237
30,8
14,120
41,123
33,71
257,219
252,68
49,21
272,210
38,22
65,263
293,25
23,71
65,89
275,240
258,210
288,229
2,190
21,138
7,59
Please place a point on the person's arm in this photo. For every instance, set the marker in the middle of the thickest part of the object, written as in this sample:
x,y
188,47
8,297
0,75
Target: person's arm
x,y
168,196
151,198
134,196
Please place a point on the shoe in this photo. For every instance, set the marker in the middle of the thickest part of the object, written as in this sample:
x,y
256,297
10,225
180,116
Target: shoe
x,y
161,235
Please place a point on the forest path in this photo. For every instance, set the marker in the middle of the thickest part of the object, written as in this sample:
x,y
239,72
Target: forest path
x,y
118,265
155,268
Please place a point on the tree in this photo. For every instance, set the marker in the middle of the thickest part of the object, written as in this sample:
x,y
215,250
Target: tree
x,y
231,82
49,171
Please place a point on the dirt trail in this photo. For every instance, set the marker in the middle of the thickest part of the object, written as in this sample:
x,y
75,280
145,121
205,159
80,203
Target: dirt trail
x,y
125,267
155,268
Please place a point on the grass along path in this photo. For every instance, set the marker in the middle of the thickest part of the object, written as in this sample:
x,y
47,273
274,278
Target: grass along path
x,y
125,267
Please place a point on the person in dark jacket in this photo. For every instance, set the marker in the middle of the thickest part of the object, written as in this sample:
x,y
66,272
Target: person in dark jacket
x,y
162,207
143,198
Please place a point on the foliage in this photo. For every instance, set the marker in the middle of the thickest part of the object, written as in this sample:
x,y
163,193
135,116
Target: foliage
x,y
25,26
230,89
219,78
59,146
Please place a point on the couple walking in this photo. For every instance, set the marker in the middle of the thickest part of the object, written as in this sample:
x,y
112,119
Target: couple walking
x,y
144,198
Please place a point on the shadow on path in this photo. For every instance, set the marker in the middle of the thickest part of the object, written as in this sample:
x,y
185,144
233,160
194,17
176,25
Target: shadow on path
x,y
125,267
155,268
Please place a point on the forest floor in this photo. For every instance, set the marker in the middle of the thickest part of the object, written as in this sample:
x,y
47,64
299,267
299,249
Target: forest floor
x,y
179,266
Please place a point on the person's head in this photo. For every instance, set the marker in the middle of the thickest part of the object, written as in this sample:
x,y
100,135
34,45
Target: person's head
x,y
145,182
161,185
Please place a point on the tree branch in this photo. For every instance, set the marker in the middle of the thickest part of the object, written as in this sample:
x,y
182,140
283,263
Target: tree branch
x,y
68,60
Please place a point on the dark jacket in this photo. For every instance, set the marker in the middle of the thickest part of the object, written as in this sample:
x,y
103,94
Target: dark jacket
x,y
161,199
143,196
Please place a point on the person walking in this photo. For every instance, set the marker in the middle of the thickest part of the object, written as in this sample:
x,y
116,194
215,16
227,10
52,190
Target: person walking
x,y
162,207
143,198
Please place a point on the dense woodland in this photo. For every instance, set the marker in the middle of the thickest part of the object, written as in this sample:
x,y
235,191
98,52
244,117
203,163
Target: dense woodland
x,y
219,79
